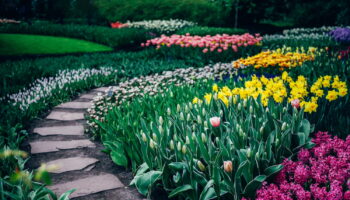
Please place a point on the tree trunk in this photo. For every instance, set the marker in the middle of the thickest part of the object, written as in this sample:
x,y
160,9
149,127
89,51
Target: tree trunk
x,y
236,13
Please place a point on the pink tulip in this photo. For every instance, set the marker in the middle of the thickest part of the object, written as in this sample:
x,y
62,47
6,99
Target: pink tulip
x,y
295,103
215,121
228,166
219,42
205,50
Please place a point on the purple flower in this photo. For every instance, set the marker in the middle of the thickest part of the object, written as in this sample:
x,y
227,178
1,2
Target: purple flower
x,y
341,35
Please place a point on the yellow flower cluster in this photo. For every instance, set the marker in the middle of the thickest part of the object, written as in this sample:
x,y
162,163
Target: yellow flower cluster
x,y
280,58
283,88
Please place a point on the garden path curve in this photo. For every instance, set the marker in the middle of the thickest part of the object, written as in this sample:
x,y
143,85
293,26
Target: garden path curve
x,y
59,139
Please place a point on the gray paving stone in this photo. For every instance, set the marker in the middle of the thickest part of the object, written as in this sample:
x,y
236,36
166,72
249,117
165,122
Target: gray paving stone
x,y
71,164
89,168
75,105
89,185
65,116
52,146
101,89
60,130
87,96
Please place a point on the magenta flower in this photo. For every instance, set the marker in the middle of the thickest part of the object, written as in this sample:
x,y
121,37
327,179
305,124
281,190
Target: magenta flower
x,y
321,173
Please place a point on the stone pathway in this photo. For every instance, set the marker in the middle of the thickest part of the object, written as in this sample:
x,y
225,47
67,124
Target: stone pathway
x,y
59,140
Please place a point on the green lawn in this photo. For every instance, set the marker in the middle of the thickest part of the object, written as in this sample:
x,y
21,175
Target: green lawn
x,y
21,44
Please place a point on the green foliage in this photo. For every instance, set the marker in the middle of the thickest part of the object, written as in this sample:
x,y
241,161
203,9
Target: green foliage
x,y
251,138
20,44
319,13
205,30
116,38
15,75
137,10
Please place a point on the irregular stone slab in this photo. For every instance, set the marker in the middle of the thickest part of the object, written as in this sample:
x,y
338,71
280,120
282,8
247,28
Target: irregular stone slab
x,y
71,164
76,105
101,89
52,146
89,168
87,96
89,185
65,116
60,130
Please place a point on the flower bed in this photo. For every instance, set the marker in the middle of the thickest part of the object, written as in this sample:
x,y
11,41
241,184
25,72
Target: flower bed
x,y
284,88
341,35
319,173
319,30
217,43
161,26
306,40
275,59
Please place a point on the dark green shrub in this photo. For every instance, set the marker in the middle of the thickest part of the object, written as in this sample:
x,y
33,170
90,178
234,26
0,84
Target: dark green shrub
x,y
137,10
204,30
116,38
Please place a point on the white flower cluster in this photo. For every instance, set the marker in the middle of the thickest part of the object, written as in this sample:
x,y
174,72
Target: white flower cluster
x,y
43,88
161,26
151,85
299,31
301,37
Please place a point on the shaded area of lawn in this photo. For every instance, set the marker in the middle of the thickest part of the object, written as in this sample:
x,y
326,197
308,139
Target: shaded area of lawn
x,y
21,44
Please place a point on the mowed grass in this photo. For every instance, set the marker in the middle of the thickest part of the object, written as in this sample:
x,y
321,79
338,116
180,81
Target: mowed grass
x,y
22,44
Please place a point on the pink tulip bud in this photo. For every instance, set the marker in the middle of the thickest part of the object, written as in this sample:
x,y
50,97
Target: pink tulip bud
x,y
295,103
215,121
219,50
228,166
205,50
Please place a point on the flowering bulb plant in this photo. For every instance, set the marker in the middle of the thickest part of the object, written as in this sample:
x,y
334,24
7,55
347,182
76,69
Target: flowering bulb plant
x,y
208,43
306,40
284,88
281,59
343,54
161,26
118,25
341,35
319,173
212,150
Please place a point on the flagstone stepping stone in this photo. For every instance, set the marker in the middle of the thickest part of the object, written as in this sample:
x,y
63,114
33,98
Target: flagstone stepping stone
x,y
60,130
101,89
75,105
71,164
87,96
89,185
65,116
53,146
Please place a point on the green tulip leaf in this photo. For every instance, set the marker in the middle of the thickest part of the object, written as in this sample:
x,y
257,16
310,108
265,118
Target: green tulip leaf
x,y
273,170
180,190
119,158
145,181
253,185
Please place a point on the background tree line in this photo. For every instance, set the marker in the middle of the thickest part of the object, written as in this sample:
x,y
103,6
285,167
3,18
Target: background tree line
x,y
228,13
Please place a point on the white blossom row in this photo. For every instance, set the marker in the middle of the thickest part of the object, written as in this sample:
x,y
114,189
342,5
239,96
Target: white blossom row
x,y
151,85
319,30
162,26
43,88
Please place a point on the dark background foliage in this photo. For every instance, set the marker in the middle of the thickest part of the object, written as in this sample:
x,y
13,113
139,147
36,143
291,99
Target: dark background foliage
x,y
227,13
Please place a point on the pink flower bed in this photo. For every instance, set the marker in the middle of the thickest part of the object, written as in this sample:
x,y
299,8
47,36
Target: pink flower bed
x,y
217,43
118,25
321,173
9,21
